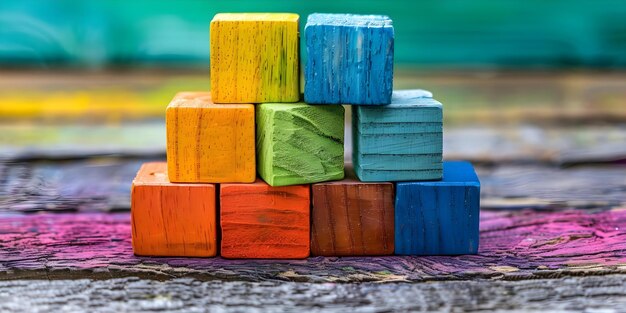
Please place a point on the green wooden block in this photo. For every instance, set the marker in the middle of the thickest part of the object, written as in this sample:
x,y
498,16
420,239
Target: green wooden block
x,y
298,143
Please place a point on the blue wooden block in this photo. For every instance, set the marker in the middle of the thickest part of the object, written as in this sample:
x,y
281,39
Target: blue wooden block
x,y
402,141
439,217
349,59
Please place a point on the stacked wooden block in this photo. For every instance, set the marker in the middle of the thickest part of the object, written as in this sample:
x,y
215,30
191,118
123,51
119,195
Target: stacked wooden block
x,y
251,165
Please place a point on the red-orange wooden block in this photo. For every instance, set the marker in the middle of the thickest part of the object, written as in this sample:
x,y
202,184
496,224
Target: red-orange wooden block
x,y
172,219
263,222
350,217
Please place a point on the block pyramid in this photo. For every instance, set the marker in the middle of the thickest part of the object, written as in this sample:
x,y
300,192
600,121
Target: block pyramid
x,y
253,161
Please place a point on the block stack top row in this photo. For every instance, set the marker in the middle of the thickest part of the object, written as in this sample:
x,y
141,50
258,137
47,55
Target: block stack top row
x,y
254,121
255,58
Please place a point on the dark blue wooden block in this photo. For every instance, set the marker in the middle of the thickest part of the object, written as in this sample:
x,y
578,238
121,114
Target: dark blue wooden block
x,y
349,59
439,217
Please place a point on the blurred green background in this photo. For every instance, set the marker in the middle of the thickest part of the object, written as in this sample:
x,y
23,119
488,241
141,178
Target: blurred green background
x,y
429,34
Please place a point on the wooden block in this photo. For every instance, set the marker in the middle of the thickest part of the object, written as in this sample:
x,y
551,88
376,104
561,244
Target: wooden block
x,y
171,219
299,143
349,59
255,57
263,222
350,218
439,217
209,143
401,141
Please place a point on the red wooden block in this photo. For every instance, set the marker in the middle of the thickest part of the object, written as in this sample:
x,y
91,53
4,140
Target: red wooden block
x,y
171,219
263,222
350,217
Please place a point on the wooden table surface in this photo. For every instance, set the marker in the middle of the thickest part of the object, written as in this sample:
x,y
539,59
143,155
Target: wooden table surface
x,y
553,211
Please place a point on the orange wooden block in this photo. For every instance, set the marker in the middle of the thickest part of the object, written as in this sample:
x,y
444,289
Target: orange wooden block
x,y
263,222
172,219
210,143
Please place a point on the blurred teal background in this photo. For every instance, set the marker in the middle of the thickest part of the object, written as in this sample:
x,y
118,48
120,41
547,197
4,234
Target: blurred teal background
x,y
429,34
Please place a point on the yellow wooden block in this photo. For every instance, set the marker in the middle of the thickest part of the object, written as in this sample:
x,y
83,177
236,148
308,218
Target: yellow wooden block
x,y
208,142
255,58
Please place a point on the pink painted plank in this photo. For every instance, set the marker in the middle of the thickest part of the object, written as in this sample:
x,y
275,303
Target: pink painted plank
x,y
514,245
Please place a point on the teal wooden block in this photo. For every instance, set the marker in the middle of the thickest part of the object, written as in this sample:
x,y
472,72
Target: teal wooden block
x,y
298,143
402,141
439,217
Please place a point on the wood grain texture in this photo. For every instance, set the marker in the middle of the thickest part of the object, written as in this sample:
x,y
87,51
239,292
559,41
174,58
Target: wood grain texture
x,y
605,293
299,143
351,218
209,143
402,141
259,221
439,217
255,57
562,146
514,245
349,59
172,219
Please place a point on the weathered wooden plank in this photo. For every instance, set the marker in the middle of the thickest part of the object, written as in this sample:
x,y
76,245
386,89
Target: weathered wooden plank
x,y
260,221
170,219
104,185
536,144
27,142
298,143
255,57
514,245
571,294
208,142
518,186
349,59
100,184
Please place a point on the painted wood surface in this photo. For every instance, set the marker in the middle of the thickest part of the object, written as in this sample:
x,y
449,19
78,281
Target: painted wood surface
x,y
349,59
439,217
350,218
605,293
402,141
299,143
261,221
532,169
172,219
209,143
255,57
515,245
